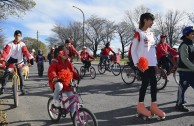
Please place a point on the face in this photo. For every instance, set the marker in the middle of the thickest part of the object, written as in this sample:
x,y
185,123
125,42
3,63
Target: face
x,y
163,39
18,37
148,23
191,36
67,45
84,49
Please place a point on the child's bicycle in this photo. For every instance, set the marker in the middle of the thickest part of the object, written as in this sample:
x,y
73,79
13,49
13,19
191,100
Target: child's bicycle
x,y
84,70
110,65
81,117
15,82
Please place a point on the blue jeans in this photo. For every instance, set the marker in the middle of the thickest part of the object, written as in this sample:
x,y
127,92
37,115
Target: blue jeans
x,y
103,58
7,74
186,80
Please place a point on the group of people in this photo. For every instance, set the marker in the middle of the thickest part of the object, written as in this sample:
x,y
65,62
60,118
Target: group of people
x,y
144,45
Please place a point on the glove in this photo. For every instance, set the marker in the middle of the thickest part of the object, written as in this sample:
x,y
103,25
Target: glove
x,y
32,62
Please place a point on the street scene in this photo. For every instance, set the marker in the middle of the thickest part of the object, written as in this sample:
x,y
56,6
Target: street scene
x,y
112,102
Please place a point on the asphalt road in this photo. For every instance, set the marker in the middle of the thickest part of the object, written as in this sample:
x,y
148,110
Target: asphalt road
x,y
113,102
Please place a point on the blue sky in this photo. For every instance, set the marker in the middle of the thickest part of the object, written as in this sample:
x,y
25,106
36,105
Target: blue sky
x,y
47,13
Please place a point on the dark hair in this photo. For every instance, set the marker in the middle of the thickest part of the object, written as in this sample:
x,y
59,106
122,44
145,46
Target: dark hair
x,y
147,16
67,41
56,52
107,44
17,32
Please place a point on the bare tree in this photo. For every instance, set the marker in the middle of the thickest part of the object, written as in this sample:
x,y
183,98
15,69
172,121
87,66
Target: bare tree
x,y
15,7
191,17
52,41
125,32
171,25
94,32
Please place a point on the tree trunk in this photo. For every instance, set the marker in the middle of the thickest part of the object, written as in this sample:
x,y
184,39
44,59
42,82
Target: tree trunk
x,y
123,51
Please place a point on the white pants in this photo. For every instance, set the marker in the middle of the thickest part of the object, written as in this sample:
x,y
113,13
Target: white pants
x,y
58,89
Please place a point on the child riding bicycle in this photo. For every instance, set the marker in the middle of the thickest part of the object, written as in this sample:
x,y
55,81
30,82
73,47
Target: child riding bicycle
x,y
85,58
60,73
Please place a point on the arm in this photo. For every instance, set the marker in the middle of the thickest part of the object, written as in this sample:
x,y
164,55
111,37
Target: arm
x,y
74,51
90,56
26,53
134,48
185,57
52,71
82,57
5,52
161,49
36,59
171,50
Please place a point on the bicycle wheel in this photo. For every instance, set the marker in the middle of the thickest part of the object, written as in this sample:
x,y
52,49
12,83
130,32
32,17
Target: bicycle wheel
x,y
116,68
92,72
128,74
15,91
82,71
101,68
53,112
176,77
161,78
84,118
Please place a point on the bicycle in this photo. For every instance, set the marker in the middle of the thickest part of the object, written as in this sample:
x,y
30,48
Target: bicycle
x,y
81,117
91,69
109,65
15,82
130,73
173,69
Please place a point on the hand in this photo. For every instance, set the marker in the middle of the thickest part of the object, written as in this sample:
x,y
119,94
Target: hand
x,y
55,79
31,61
142,70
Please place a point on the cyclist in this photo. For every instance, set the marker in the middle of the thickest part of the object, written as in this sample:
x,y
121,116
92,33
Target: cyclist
x,y
13,53
50,55
40,59
56,83
162,51
105,53
85,56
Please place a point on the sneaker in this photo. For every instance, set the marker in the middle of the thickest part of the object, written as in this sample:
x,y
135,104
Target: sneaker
x,y
56,103
2,91
182,108
24,92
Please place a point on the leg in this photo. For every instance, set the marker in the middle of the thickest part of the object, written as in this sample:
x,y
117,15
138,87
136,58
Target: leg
x,y
57,90
4,79
21,79
70,93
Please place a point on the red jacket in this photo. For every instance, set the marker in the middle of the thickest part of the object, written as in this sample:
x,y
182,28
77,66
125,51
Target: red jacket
x,y
55,68
106,51
85,56
162,48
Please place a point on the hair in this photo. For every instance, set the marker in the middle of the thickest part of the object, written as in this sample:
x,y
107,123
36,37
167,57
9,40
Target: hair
x,y
187,34
56,52
17,32
67,41
147,16
107,44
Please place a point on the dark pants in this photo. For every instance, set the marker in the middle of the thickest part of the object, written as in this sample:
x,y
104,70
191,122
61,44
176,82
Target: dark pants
x,y
148,77
40,67
186,80
166,63
7,74
86,63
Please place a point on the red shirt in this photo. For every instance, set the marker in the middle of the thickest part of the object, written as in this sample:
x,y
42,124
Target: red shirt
x,y
85,56
106,51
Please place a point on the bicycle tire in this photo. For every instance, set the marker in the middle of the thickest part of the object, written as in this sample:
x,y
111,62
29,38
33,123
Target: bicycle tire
x,y
51,114
90,115
76,70
161,74
92,72
176,77
15,91
82,71
116,69
101,68
130,74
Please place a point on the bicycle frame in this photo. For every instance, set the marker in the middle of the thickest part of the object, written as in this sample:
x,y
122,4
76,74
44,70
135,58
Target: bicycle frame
x,y
15,73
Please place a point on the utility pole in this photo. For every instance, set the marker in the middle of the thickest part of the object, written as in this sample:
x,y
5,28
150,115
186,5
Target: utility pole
x,y
37,40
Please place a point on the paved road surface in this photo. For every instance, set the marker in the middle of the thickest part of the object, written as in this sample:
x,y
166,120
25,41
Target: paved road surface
x,y
107,96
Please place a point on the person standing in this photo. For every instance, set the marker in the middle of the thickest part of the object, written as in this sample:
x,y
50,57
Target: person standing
x,y
144,46
40,59
185,67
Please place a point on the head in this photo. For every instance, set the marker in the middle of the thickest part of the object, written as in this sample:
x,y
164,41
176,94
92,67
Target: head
x,y
163,38
107,44
146,20
188,33
67,43
39,52
56,51
17,35
84,48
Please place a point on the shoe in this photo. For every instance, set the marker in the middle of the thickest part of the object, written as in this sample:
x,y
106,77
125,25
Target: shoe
x,y
156,111
182,108
56,103
2,91
142,110
24,92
